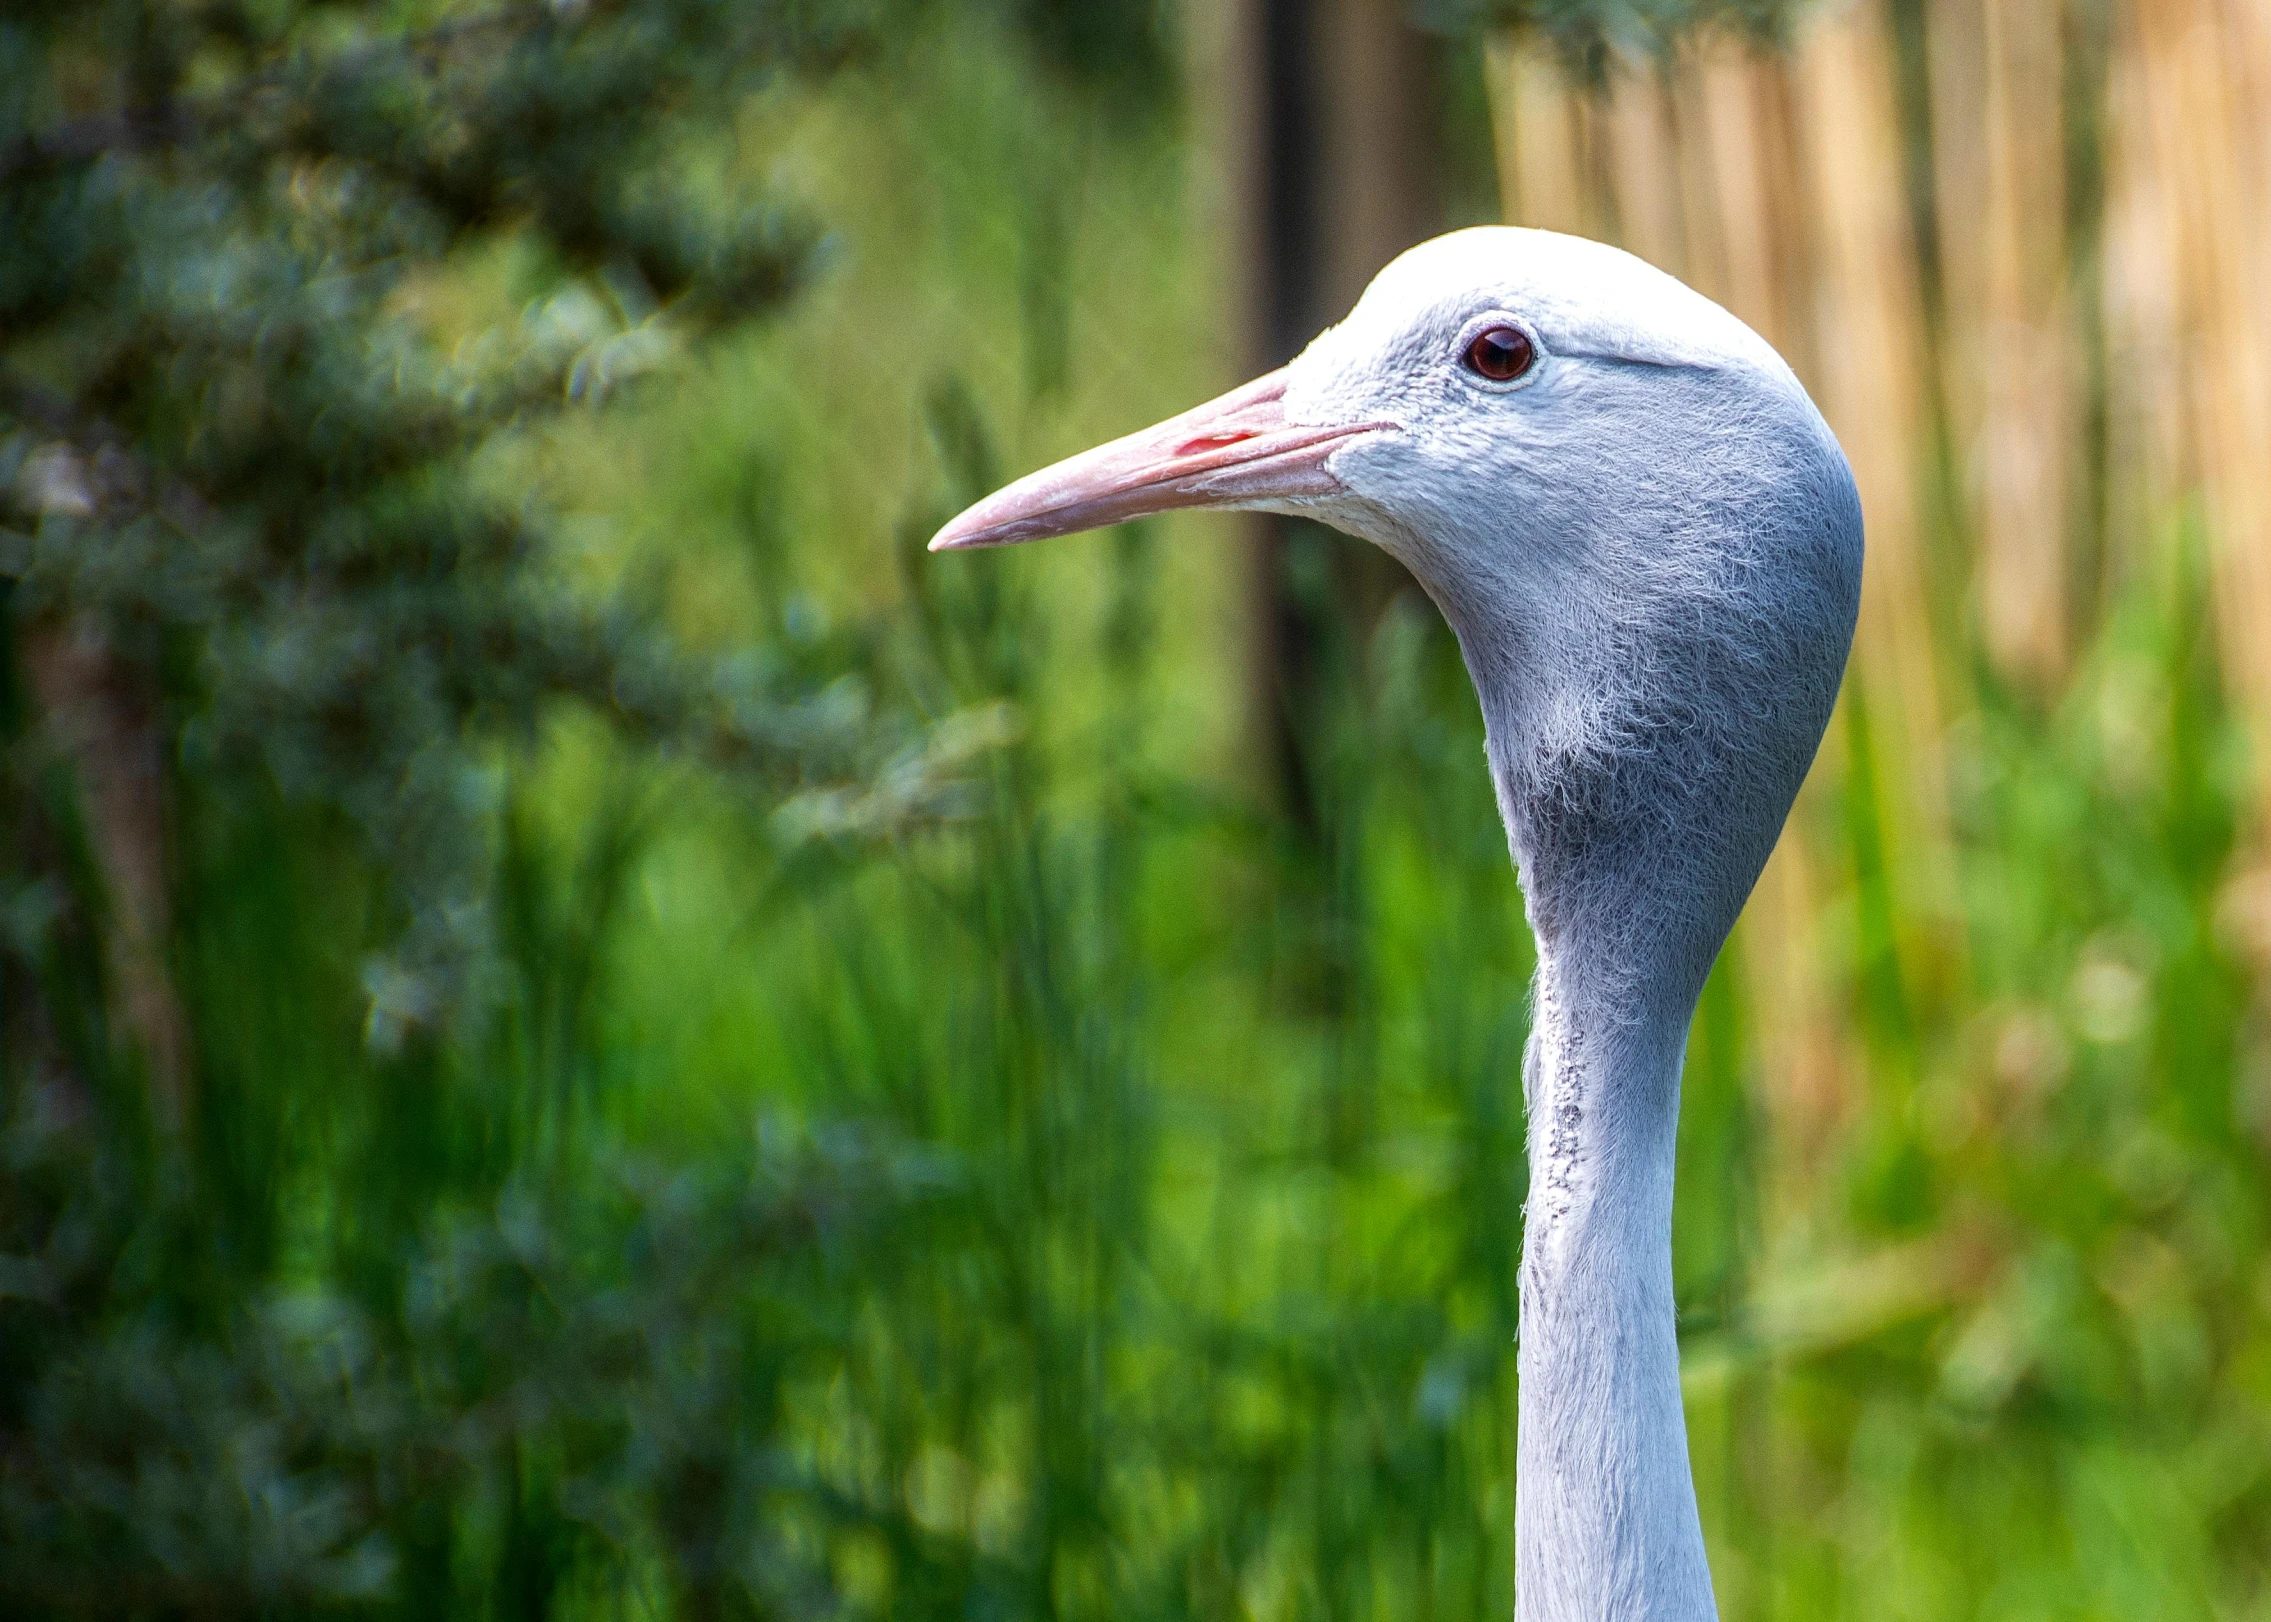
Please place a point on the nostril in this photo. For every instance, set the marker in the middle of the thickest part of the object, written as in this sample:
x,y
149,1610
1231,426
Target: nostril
x,y
1214,442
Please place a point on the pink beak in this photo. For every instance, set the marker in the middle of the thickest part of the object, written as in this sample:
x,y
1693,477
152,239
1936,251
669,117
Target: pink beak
x,y
1237,451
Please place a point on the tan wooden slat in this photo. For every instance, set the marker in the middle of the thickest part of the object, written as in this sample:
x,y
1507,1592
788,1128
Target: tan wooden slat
x,y
2019,461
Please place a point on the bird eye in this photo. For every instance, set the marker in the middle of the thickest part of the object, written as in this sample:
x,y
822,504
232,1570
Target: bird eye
x,y
1501,354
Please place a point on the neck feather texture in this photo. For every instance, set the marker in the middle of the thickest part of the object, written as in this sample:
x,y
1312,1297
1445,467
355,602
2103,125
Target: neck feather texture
x,y
1605,1515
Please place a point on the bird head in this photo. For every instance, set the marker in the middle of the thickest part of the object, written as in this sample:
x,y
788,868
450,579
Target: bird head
x,y
1635,521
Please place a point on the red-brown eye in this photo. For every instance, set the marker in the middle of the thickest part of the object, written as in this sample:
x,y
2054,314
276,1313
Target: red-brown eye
x,y
1501,354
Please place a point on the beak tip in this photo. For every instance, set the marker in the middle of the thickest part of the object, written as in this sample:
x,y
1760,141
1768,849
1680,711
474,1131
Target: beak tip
x,y
971,531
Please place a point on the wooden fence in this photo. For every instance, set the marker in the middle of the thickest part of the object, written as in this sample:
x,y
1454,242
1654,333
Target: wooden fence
x,y
2020,251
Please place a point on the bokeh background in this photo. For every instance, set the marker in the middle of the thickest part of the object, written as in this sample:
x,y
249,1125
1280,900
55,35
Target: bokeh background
x,y
588,1033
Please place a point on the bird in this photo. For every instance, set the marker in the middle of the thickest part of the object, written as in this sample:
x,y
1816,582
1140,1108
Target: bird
x,y
1648,544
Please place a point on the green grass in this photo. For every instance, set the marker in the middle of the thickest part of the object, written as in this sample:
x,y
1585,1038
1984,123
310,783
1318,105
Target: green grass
x,y
1105,1203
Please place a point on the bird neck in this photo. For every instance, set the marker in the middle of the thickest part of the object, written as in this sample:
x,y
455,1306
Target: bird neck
x,y
1605,1511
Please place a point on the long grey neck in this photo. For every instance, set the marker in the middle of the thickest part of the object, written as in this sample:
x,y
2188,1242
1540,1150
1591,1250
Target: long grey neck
x,y
1605,1523
1644,755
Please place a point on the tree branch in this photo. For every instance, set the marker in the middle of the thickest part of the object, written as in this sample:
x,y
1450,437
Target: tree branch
x,y
175,122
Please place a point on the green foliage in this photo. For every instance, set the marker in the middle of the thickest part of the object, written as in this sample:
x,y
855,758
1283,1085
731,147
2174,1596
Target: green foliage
x,y
1125,48
242,465
1088,1199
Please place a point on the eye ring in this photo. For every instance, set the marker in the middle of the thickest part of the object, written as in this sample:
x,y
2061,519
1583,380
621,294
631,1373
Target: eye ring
x,y
1500,353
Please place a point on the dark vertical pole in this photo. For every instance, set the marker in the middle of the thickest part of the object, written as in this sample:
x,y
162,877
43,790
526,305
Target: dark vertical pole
x,y
1339,134
1291,234
1284,207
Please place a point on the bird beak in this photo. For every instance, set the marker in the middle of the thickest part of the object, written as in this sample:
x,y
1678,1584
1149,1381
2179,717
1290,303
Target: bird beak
x,y
1238,451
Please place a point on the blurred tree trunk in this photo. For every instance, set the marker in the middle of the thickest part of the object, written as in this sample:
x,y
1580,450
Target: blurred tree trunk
x,y
1330,116
100,711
